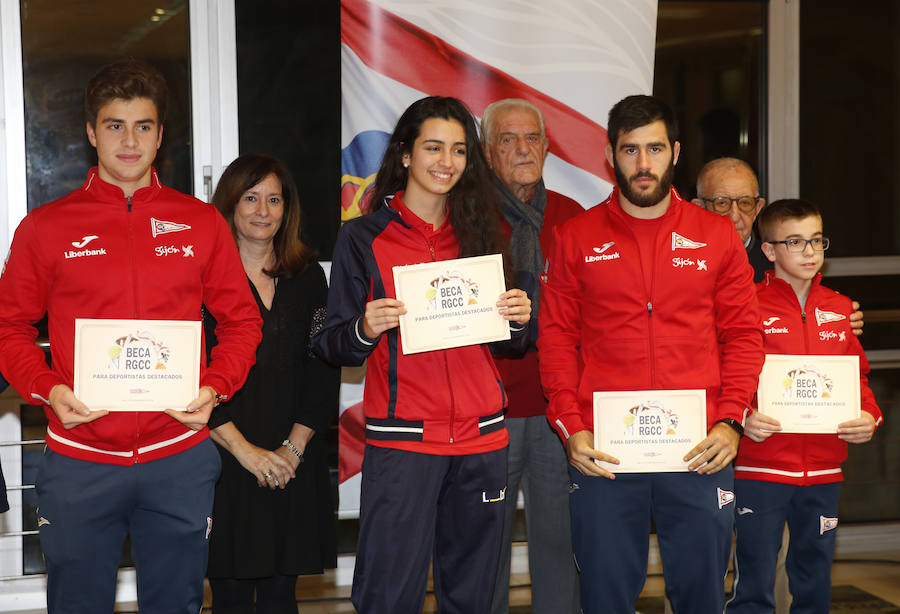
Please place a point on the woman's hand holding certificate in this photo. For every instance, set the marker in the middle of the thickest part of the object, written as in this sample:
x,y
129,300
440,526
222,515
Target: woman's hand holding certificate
x,y
381,315
515,306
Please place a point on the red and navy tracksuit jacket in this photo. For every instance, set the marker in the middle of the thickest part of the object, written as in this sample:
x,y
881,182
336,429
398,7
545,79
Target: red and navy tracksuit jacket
x,y
440,402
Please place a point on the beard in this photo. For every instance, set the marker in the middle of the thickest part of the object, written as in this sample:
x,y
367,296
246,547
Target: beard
x,y
645,199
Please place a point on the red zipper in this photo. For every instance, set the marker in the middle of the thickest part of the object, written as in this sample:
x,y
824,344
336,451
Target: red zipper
x,y
452,398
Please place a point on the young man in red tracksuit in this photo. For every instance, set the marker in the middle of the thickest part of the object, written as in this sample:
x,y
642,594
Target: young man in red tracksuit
x,y
794,477
648,292
123,246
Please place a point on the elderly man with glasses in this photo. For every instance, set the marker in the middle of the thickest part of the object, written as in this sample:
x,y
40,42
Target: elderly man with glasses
x,y
728,186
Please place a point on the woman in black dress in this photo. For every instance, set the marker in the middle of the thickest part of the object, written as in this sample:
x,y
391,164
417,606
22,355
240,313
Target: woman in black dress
x,y
273,514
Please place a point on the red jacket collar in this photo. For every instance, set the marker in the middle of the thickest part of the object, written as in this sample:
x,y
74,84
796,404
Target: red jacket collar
x,y
98,189
771,280
414,221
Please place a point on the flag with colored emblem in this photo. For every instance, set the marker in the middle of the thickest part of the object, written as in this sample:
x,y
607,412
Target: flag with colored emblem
x,y
572,59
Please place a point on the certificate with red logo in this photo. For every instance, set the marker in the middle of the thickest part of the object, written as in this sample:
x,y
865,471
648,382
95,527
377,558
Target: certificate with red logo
x,y
649,430
451,303
137,365
808,393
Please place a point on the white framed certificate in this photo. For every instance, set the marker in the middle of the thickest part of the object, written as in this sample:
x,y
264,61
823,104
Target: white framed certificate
x,y
137,365
649,430
451,303
809,393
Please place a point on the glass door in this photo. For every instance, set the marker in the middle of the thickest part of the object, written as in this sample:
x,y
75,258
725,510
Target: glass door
x,y
63,44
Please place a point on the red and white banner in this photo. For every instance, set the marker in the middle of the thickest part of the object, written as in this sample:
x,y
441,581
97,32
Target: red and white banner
x,y
573,59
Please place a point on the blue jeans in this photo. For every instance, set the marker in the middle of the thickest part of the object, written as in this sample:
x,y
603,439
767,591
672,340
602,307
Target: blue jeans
x,y
537,461
86,509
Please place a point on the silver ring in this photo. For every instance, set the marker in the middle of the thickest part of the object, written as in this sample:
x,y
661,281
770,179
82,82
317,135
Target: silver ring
x,y
267,475
276,482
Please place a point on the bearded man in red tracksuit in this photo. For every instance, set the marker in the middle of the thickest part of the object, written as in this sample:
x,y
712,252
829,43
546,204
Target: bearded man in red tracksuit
x,y
649,292
123,246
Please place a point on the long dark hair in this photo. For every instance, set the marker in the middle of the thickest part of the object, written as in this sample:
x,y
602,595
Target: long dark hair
x,y
474,209
291,255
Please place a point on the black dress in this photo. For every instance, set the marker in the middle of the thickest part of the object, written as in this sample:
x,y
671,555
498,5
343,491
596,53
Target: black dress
x,y
258,532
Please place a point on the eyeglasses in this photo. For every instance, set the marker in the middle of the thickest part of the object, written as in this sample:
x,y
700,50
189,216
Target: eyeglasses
x,y
819,244
722,204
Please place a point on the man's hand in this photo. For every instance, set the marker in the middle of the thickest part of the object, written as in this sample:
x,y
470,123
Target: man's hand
x,y
859,430
515,306
70,411
581,453
758,427
196,414
381,315
856,320
715,452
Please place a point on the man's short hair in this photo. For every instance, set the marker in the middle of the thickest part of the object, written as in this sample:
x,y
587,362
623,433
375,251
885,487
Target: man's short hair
x,y
724,164
633,112
782,210
125,79
487,118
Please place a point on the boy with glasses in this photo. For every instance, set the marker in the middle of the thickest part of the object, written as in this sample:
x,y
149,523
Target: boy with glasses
x,y
794,477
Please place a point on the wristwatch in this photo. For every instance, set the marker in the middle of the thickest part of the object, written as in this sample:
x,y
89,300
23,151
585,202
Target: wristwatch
x,y
737,426
290,446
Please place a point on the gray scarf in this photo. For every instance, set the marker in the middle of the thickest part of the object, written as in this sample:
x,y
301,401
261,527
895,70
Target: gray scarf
x,y
526,220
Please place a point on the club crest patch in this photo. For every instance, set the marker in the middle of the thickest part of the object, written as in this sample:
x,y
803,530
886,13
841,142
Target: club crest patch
x,y
679,242
824,317
161,227
725,497
827,524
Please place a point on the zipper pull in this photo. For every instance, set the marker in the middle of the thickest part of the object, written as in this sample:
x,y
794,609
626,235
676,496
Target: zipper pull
x,y
129,204
803,316
649,309
431,248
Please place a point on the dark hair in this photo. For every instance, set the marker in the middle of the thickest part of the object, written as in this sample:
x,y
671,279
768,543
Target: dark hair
x,y
635,111
291,255
474,209
785,209
127,79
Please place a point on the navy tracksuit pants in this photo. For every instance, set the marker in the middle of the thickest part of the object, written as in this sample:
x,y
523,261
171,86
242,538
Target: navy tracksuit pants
x,y
694,515
86,509
414,505
762,509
